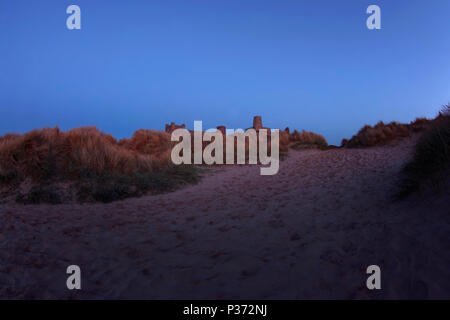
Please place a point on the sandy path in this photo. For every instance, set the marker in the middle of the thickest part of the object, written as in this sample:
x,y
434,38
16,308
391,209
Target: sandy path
x,y
308,232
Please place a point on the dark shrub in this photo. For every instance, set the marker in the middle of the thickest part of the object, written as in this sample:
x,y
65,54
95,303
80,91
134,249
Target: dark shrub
x,y
431,156
8,176
113,187
40,195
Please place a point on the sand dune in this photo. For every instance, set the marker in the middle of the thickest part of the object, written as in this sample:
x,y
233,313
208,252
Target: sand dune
x,y
308,232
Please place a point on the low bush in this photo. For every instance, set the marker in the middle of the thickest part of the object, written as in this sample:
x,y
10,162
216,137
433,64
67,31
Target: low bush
x,y
40,194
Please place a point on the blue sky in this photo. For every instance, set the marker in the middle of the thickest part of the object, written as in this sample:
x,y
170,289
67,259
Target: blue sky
x,y
306,64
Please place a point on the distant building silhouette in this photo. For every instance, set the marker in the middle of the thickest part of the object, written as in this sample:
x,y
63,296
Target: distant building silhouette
x,y
172,127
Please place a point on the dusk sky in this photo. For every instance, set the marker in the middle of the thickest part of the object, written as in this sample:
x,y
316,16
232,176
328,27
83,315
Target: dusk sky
x,y
306,64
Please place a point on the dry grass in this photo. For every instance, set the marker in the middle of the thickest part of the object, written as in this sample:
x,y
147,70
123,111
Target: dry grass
x,y
150,142
84,152
419,124
91,158
431,161
381,133
47,153
305,139
100,168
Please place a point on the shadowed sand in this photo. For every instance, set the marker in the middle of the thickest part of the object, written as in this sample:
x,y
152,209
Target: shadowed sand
x,y
308,232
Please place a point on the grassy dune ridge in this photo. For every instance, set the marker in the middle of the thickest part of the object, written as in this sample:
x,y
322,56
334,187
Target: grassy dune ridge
x,y
430,164
102,168
381,133
84,164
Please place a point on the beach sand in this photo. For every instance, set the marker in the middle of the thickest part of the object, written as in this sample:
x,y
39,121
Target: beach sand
x,y
308,232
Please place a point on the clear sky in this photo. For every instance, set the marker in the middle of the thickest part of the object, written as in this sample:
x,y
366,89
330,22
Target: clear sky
x,y
306,64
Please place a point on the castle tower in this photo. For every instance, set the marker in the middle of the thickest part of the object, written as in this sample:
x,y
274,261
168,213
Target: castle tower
x,y
222,129
172,127
257,122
